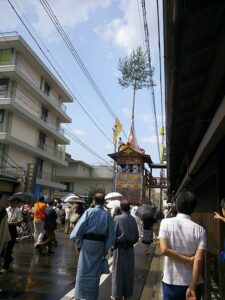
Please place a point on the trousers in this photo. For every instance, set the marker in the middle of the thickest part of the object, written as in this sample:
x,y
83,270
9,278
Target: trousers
x,y
178,292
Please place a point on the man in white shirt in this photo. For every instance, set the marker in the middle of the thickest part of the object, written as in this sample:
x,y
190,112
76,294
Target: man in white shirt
x,y
183,243
14,220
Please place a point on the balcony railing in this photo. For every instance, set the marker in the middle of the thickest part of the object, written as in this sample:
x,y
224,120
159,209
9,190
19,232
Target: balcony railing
x,y
46,176
11,173
51,150
38,113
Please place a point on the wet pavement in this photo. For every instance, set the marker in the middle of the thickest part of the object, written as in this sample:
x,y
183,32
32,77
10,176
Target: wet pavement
x,y
52,277
36,276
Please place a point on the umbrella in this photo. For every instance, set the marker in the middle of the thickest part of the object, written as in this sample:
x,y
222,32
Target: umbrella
x,y
113,204
25,197
71,198
69,195
146,212
113,195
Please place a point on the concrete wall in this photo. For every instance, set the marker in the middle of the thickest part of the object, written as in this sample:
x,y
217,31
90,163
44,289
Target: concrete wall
x,y
20,157
29,103
22,130
28,70
101,171
83,186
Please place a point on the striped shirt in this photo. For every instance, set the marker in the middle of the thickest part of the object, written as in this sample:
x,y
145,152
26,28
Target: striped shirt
x,y
185,237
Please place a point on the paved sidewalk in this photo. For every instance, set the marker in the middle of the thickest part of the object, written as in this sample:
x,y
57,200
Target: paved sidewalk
x,y
147,277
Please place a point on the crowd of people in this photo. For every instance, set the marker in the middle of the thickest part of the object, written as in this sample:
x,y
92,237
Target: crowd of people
x,y
42,218
96,231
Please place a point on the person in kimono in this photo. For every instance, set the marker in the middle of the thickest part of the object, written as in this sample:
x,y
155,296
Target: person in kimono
x,y
94,234
123,258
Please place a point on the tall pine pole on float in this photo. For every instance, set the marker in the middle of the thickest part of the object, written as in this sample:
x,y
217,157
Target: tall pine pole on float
x,y
135,73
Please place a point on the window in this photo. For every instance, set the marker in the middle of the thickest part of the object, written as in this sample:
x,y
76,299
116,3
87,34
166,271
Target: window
x,y
39,165
41,141
44,114
47,89
4,85
5,56
69,186
2,113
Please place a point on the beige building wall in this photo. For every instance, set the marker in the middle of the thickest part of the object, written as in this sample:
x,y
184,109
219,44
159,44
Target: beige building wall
x,y
28,69
82,186
20,157
24,131
27,101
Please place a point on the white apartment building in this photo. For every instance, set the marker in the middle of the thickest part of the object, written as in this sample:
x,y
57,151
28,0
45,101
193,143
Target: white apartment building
x,y
31,112
80,177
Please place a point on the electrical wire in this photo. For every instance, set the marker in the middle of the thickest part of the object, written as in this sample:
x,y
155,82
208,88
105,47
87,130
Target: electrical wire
x,y
142,33
160,68
82,144
96,125
69,133
151,70
59,67
75,54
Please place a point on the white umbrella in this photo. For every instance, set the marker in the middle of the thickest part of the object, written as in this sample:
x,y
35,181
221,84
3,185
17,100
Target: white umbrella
x,y
71,198
113,195
113,204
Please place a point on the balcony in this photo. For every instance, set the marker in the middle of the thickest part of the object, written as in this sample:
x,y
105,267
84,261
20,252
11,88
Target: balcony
x,y
48,179
51,150
14,73
11,174
34,115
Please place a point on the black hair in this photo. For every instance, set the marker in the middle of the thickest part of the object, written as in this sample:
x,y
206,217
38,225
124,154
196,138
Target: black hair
x,y
186,202
222,203
99,199
51,202
125,206
41,198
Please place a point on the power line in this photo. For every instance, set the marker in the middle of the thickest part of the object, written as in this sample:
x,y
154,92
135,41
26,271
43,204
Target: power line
x,y
58,73
69,133
151,70
139,13
65,75
160,68
82,144
75,54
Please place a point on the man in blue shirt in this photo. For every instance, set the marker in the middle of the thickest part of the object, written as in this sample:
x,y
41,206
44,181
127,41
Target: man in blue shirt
x,y
94,234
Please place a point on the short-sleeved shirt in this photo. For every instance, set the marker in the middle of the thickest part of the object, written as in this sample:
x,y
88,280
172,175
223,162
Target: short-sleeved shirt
x,y
39,209
185,237
14,214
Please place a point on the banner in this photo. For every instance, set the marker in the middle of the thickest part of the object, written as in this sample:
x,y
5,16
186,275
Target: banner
x,y
117,130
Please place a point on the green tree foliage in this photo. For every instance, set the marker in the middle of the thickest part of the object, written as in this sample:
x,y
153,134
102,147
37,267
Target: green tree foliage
x,y
135,71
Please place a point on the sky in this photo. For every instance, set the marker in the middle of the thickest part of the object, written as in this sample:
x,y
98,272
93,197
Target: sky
x,y
102,32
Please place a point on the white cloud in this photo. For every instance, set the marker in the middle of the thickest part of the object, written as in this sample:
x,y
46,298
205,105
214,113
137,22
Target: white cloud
x,y
152,139
127,112
124,32
79,132
146,118
69,13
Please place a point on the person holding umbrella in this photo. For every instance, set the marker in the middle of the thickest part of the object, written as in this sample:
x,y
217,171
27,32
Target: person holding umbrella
x,y
14,220
147,214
